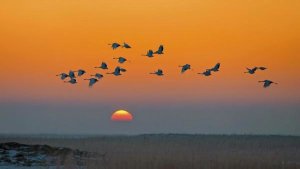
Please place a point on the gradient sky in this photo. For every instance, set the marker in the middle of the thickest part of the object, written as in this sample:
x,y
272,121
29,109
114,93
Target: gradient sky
x,y
40,39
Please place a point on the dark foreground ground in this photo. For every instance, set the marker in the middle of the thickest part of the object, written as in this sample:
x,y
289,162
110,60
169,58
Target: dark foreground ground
x,y
176,151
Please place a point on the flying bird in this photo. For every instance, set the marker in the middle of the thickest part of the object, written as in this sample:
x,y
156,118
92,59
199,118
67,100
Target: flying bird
x,y
123,70
149,53
262,68
206,73
125,45
98,75
216,67
251,71
63,76
114,45
92,81
267,83
185,67
71,74
103,65
80,72
72,81
159,72
160,50
117,71
121,59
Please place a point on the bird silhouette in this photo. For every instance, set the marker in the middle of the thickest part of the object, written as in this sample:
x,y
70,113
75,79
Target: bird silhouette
x,y
159,72
103,65
216,67
160,50
121,59
206,73
262,68
125,45
63,76
123,70
251,71
149,53
185,67
114,45
80,72
267,83
71,74
98,75
72,81
117,71
92,81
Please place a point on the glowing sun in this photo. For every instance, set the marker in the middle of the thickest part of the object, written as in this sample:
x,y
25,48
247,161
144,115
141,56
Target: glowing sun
x,y
121,115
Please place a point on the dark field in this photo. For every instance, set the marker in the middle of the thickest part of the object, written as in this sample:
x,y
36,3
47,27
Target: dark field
x,y
176,151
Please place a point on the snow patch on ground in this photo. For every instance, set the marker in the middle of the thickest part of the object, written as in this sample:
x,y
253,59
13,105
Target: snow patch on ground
x,y
34,167
21,156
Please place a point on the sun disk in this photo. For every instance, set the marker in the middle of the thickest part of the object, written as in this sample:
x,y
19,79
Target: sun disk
x,y
121,115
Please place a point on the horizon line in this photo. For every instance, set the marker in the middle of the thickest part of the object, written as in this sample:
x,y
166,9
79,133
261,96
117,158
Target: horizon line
x,y
60,135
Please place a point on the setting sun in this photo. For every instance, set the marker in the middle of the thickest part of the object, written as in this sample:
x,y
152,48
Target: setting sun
x,y
121,115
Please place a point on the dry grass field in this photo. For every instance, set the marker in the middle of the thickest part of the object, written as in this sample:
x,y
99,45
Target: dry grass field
x,y
177,151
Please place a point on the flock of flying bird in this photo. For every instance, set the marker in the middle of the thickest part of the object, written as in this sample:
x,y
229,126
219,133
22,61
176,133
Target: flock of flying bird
x,y
72,75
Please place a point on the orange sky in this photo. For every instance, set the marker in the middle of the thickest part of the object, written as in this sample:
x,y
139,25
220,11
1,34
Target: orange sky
x,y
42,38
